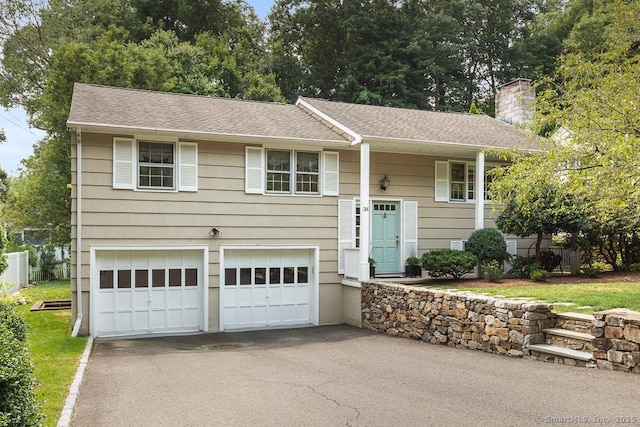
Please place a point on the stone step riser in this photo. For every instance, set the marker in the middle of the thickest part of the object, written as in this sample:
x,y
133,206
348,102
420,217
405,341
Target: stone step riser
x,y
574,325
544,357
573,344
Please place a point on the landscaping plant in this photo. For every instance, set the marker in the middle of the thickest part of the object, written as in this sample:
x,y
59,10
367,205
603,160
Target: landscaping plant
x,y
488,244
18,404
493,272
447,262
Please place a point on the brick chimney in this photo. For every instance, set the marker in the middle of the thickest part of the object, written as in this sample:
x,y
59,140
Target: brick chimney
x,y
514,102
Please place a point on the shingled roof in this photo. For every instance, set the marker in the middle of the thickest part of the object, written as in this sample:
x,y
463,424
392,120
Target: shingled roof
x,y
132,110
119,108
428,126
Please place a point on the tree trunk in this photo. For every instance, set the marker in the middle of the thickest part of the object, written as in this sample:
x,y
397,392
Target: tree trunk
x,y
538,244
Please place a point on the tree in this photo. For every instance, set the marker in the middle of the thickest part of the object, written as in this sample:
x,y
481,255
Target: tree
x,y
588,111
3,244
551,210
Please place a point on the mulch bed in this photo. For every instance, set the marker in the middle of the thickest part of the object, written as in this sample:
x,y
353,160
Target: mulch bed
x,y
555,279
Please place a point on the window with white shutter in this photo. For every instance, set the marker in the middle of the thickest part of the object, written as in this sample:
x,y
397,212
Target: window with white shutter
x,y
346,230
331,174
188,161
124,163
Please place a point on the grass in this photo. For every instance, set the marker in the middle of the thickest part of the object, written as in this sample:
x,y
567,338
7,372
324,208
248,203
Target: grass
x,y
54,353
598,296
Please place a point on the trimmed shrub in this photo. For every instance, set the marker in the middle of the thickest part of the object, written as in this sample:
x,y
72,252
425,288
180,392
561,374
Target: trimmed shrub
x,y
539,275
3,246
523,266
488,244
549,260
635,266
18,405
13,320
493,271
447,262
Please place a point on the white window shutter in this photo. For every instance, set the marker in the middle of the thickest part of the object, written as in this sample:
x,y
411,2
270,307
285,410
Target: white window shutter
x,y
124,163
188,164
442,182
410,221
330,173
457,245
254,170
346,229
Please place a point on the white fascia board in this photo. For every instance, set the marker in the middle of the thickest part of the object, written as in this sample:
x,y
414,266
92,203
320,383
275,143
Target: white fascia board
x,y
418,142
189,134
357,138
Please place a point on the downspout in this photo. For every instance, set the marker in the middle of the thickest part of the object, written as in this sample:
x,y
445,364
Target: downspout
x,y
479,216
76,326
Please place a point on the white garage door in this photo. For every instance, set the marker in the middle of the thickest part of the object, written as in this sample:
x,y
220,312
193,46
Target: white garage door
x,y
141,292
267,288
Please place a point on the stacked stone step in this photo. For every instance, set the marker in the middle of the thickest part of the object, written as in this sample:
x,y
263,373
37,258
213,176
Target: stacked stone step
x,y
569,342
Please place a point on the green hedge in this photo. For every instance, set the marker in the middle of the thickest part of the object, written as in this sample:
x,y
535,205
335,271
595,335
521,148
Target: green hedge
x,y
447,262
18,405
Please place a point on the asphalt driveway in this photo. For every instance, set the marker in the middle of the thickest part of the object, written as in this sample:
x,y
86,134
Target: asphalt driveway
x,y
336,376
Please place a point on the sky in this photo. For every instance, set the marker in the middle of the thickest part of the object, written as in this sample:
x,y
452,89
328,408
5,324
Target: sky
x,y
21,137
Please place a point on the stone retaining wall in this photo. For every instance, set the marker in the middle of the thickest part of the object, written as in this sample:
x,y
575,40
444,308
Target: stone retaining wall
x,y
455,319
617,340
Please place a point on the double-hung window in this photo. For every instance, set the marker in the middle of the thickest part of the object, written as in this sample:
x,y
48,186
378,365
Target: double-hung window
x,y
294,172
156,165
285,167
456,181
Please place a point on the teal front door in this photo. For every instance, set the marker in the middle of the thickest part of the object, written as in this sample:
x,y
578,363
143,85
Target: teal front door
x,y
385,237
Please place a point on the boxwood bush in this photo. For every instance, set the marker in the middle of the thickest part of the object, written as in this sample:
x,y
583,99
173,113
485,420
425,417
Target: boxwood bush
x,y
488,244
447,262
18,405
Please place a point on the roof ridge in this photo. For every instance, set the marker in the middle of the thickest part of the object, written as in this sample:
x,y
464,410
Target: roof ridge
x,y
397,108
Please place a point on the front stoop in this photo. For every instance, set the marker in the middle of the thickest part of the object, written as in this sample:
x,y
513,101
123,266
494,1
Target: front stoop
x,y
569,343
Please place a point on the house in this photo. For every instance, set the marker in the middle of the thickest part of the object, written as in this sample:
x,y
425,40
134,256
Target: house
x,y
196,213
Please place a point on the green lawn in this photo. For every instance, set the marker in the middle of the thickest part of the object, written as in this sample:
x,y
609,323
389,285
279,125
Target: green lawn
x,y
54,353
599,296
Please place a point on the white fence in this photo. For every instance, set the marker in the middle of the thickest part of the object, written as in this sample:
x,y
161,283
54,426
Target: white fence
x,y
61,271
17,274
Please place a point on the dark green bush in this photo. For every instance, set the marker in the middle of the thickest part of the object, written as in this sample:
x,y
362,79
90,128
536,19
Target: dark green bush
x,y
447,262
493,271
549,260
488,244
18,405
47,261
539,275
13,320
523,266
591,270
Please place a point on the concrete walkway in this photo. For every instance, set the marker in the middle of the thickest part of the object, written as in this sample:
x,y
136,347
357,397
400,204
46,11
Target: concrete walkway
x,y
337,376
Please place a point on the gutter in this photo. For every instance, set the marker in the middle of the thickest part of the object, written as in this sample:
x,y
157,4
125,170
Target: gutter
x,y
76,326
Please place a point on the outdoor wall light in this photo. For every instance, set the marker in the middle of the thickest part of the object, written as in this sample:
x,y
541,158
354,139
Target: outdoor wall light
x,y
384,183
214,232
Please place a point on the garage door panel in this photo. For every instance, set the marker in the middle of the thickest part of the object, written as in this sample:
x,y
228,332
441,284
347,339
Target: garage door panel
x,y
245,296
191,298
158,319
191,317
174,298
106,301
141,300
174,318
259,295
124,320
302,294
107,321
158,299
123,299
141,319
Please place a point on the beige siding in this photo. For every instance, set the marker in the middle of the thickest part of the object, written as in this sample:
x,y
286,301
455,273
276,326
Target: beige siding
x,y
129,217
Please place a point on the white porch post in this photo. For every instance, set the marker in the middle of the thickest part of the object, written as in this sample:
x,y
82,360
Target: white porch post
x,y
363,271
479,190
